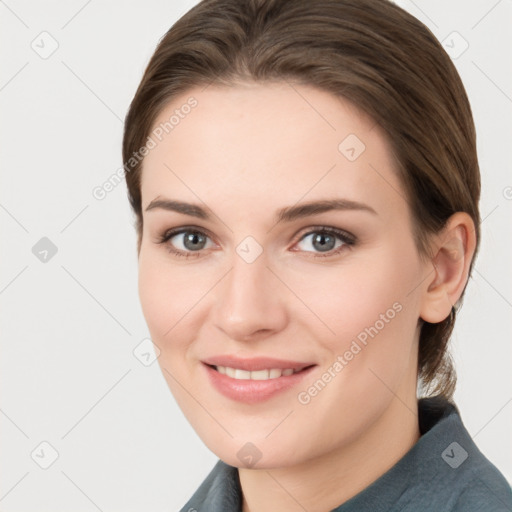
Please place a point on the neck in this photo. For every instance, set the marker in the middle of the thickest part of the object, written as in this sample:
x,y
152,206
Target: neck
x,y
329,480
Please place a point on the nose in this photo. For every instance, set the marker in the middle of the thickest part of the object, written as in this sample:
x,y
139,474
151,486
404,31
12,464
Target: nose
x,y
250,301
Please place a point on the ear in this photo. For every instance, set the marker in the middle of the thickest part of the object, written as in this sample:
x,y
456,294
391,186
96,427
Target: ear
x,y
452,251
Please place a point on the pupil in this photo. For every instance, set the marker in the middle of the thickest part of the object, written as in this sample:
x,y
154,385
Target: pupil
x,y
323,245
191,239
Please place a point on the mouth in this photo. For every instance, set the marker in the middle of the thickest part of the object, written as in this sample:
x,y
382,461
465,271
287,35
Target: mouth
x,y
256,385
264,374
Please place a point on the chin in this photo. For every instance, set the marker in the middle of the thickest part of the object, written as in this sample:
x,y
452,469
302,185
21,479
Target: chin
x,y
257,454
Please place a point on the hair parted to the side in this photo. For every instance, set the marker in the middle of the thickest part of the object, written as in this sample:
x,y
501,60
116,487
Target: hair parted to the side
x,y
369,52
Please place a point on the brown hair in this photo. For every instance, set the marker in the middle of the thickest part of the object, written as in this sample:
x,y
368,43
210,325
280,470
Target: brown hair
x,y
370,52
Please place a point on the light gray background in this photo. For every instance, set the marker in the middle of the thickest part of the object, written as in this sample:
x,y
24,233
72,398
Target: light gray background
x,y
69,325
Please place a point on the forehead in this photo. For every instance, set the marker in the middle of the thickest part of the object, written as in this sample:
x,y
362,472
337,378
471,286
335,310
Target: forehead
x,y
277,140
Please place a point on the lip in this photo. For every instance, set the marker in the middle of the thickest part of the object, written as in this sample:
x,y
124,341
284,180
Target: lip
x,y
255,363
255,391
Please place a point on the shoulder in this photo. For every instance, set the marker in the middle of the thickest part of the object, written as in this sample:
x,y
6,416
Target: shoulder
x,y
485,489
446,471
471,482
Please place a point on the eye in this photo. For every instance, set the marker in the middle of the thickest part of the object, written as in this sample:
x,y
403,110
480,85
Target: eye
x,y
329,241
185,242
190,242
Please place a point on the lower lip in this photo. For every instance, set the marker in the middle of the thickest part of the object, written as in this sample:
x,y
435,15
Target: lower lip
x,y
253,391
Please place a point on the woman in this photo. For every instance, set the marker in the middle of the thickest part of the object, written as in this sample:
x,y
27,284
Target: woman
x,y
305,185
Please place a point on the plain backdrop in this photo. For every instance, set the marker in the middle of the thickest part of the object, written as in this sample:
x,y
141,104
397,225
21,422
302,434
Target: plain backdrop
x,y
86,423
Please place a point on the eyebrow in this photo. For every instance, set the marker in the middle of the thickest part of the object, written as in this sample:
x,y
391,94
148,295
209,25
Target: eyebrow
x,y
287,214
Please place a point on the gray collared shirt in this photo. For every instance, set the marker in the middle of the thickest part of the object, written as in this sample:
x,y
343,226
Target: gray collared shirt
x,y
443,471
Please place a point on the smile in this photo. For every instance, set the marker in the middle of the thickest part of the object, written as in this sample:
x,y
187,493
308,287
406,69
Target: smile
x,y
237,373
257,385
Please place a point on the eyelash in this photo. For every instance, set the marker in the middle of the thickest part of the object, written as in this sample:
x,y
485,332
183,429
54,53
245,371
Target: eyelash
x,y
345,237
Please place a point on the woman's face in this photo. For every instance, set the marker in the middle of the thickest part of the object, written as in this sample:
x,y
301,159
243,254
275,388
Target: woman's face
x,y
332,293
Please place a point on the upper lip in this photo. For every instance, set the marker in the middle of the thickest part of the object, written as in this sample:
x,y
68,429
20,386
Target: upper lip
x,y
255,363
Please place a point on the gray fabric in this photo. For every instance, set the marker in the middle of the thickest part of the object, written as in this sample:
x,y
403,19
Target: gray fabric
x,y
443,471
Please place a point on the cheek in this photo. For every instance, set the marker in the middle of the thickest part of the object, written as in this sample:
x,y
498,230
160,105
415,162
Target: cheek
x,y
165,295
368,308
174,302
355,294
154,292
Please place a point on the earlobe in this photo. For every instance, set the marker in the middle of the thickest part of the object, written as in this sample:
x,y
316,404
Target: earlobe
x,y
453,250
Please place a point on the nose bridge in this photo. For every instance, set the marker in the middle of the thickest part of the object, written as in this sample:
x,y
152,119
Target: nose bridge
x,y
248,282
248,301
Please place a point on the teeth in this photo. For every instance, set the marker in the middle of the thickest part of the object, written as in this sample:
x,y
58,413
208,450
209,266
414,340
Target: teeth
x,y
275,373
236,373
260,375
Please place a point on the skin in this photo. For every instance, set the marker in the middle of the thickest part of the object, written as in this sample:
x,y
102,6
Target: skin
x,y
243,153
